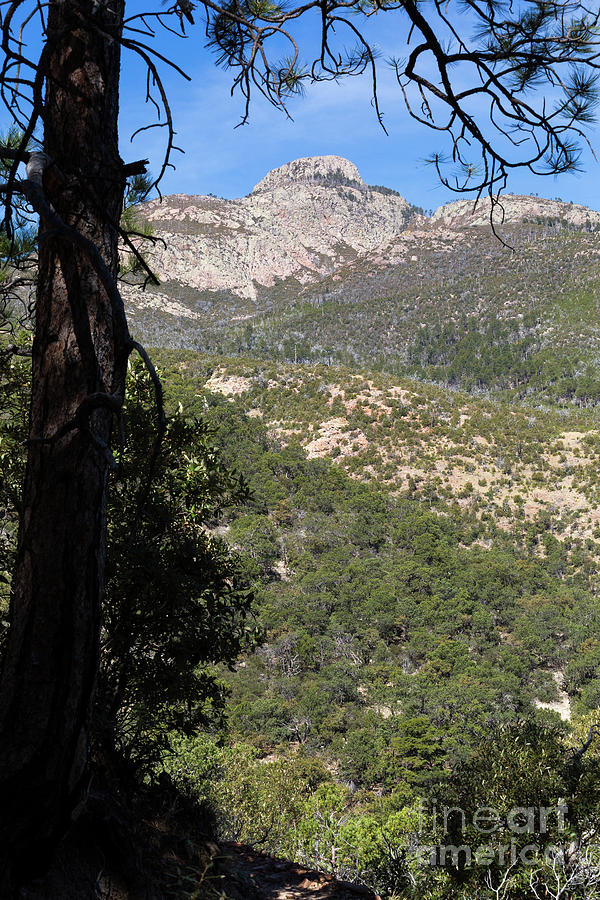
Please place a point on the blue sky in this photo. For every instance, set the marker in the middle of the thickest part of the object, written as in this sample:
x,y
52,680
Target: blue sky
x,y
332,118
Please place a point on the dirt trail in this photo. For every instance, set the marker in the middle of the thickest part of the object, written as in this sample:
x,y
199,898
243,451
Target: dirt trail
x,y
251,875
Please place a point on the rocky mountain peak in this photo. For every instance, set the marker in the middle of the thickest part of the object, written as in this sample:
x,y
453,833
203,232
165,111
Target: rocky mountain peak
x,y
513,209
311,219
302,221
329,170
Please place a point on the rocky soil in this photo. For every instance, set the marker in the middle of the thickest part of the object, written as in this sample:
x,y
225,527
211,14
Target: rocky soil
x,y
250,875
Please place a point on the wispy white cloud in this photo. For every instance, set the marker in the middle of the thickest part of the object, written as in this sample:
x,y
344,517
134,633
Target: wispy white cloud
x,y
335,118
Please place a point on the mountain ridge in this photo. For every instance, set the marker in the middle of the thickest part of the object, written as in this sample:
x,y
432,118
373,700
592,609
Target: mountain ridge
x,y
511,209
308,219
273,233
330,272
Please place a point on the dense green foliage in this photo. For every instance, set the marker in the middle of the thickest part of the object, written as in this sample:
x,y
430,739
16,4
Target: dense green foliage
x,y
376,602
408,645
176,598
423,602
520,792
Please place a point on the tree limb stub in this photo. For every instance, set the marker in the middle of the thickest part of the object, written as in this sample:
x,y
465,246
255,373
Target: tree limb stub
x,y
137,167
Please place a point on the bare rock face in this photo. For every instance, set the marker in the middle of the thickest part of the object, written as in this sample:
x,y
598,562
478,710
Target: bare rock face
x,y
302,221
513,209
329,170
309,219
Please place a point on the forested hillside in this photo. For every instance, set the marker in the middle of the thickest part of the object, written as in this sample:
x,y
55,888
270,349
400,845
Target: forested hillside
x,y
426,570
299,519
418,427
363,577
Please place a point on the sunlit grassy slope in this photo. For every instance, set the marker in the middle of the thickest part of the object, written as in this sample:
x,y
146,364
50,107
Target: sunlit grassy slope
x,y
501,461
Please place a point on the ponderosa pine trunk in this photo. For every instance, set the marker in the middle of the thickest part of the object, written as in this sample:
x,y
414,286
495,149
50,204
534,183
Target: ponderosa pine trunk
x,y
50,665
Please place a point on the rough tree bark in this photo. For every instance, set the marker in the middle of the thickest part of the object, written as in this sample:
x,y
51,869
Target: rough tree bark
x,y
49,673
